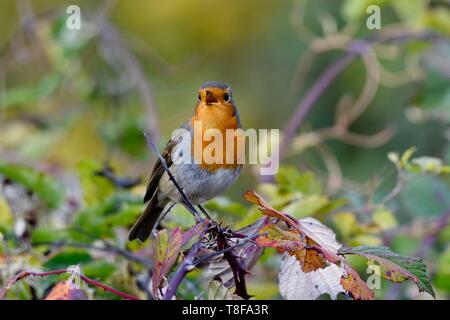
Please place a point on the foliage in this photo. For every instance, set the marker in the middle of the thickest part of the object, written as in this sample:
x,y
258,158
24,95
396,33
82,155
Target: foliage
x,y
73,161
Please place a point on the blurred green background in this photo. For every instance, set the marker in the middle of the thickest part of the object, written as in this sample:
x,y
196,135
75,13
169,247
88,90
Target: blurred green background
x,y
74,101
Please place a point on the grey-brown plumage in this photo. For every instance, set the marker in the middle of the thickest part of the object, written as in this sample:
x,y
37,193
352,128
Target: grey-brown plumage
x,y
146,222
144,225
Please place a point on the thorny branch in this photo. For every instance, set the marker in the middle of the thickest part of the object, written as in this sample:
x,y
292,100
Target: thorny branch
x,y
191,261
236,266
186,266
90,281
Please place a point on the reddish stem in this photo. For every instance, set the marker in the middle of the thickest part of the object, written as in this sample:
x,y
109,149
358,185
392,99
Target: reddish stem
x,y
90,281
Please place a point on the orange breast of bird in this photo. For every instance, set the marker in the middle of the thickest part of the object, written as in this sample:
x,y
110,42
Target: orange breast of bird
x,y
225,155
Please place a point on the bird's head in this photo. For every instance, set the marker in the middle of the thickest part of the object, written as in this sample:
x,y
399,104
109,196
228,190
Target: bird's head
x,y
215,104
214,93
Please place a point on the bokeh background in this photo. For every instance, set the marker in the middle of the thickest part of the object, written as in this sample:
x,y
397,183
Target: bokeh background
x,y
74,103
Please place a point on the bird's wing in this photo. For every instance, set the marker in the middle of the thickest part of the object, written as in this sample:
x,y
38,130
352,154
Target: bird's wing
x,y
158,168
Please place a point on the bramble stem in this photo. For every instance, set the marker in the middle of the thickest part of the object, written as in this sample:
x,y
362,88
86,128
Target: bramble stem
x,y
90,281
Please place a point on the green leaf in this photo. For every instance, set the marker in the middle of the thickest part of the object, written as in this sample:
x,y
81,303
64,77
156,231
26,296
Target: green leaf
x,y
332,205
225,205
180,216
99,220
127,215
410,12
430,165
395,267
45,235
418,165
98,269
438,19
91,224
406,156
354,10
68,258
126,134
291,180
6,217
442,278
365,239
436,92
46,187
95,188
346,223
405,244
306,206
384,219
30,94
425,196
167,248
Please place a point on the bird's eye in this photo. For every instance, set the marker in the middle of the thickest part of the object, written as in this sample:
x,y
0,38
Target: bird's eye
x,y
199,97
226,97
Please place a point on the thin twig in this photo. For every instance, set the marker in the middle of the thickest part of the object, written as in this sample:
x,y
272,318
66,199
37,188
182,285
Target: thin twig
x,y
90,281
401,181
313,94
121,182
354,49
135,70
440,224
188,202
108,288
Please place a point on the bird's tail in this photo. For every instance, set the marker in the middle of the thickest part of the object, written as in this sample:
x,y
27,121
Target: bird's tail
x,y
146,222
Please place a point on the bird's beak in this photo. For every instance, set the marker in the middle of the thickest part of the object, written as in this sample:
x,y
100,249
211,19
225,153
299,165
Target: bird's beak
x,y
210,98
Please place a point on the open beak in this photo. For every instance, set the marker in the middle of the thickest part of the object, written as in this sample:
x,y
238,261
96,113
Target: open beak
x,y
210,98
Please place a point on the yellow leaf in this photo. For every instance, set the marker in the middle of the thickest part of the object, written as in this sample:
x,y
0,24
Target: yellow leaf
x,y
6,216
81,141
384,218
346,223
357,288
263,290
366,240
306,206
96,189
406,156
66,291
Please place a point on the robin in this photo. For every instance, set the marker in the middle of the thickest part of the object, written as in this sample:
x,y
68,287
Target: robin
x,y
200,180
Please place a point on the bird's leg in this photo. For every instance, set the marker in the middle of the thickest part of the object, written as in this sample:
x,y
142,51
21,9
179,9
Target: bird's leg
x,y
217,226
165,212
204,211
220,229
198,219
